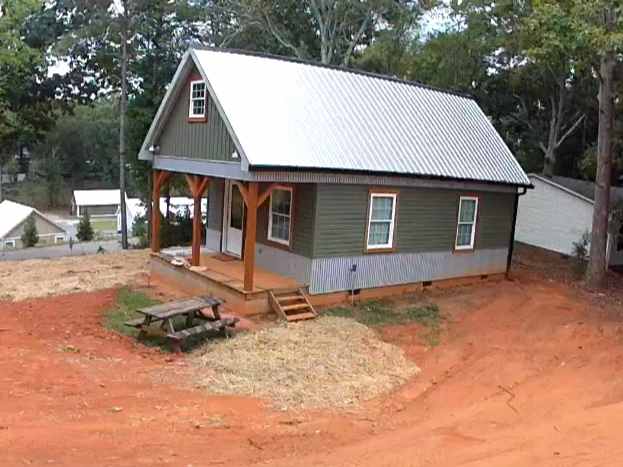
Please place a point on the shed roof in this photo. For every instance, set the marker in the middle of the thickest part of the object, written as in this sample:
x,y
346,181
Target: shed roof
x,y
290,114
585,189
97,197
12,214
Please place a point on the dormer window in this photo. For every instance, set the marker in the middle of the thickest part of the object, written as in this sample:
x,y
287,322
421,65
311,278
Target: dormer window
x,y
197,99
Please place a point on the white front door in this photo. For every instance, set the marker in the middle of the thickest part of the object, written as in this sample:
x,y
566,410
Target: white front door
x,y
235,222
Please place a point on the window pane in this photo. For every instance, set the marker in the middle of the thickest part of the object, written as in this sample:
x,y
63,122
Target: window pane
x,y
382,208
280,227
464,236
198,91
379,233
468,210
281,200
198,107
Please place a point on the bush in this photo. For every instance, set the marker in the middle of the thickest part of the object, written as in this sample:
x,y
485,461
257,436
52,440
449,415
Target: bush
x,y
580,252
85,229
30,237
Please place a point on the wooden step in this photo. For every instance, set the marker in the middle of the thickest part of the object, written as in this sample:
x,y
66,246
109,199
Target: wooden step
x,y
298,306
289,298
294,311
301,316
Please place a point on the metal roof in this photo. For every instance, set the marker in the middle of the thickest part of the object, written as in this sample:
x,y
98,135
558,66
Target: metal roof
x,y
290,114
584,189
13,214
97,197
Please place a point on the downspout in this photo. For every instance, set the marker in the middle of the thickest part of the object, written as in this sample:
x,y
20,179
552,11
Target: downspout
x,y
511,245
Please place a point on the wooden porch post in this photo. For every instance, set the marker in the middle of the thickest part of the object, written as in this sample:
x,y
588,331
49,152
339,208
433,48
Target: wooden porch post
x,y
250,235
159,178
198,185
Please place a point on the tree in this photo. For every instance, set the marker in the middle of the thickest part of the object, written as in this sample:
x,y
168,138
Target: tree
x,y
30,236
602,21
85,229
327,30
556,60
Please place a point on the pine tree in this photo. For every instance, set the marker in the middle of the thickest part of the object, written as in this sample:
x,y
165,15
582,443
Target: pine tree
x,y
30,237
85,230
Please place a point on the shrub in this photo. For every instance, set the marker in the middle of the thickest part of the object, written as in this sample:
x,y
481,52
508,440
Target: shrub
x,y
30,237
580,252
85,229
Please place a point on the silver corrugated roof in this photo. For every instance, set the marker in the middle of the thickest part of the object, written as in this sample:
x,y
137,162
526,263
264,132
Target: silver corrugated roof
x,y
292,114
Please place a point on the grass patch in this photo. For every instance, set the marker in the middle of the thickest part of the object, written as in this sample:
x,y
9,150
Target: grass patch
x,y
128,301
104,224
383,313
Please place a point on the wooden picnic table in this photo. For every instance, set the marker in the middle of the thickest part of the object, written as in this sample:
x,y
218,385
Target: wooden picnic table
x,y
189,308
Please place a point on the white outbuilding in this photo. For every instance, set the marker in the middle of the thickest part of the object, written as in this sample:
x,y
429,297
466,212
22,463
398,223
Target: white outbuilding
x,y
559,211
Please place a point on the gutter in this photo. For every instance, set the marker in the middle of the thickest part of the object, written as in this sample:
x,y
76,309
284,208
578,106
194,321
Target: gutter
x,y
511,245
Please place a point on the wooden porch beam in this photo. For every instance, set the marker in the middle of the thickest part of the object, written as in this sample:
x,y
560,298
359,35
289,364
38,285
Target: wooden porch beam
x,y
267,192
160,177
197,185
243,192
250,236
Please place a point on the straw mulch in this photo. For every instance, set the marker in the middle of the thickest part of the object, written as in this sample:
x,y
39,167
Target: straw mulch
x,y
326,362
43,277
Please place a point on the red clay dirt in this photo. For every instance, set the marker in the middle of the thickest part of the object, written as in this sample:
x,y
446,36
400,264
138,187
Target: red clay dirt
x,y
528,372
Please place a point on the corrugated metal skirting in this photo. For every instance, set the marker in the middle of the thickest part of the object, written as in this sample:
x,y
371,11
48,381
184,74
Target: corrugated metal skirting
x,y
334,274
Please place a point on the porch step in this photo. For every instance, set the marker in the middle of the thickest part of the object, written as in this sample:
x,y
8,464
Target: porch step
x,y
283,302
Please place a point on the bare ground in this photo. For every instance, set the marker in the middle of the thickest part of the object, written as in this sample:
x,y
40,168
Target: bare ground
x,y
528,372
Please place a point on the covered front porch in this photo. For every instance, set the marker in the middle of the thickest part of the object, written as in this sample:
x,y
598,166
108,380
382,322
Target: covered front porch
x,y
232,265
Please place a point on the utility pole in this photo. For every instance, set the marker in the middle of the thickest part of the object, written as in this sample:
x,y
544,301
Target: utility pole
x,y
123,108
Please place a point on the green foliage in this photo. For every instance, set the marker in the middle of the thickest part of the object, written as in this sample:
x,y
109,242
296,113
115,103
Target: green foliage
x,y
128,301
383,313
85,231
30,237
580,253
177,230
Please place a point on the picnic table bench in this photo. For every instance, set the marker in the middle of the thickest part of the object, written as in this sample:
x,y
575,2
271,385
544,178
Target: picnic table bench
x,y
191,309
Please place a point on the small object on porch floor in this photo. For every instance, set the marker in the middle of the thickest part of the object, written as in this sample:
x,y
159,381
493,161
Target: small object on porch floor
x,y
291,304
224,258
179,262
191,309
198,268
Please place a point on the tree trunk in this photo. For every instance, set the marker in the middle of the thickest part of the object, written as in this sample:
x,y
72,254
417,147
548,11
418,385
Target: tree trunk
x,y
596,272
150,182
123,124
549,162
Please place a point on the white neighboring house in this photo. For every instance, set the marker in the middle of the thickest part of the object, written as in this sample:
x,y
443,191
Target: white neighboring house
x,y
558,211
97,203
178,205
13,217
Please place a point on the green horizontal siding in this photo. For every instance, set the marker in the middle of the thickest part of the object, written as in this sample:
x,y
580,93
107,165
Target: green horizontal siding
x,y
302,219
208,140
426,220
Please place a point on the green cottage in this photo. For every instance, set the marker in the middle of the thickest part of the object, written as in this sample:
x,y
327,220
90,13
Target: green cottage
x,y
337,180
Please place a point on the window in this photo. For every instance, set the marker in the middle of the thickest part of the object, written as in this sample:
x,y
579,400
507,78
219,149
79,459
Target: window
x,y
280,215
59,239
381,220
466,228
620,239
197,99
9,243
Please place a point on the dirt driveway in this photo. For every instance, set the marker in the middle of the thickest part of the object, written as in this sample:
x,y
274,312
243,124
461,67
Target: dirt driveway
x,y
527,373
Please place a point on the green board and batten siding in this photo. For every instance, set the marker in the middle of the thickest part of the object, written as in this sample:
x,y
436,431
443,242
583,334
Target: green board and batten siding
x,y
207,140
302,220
426,220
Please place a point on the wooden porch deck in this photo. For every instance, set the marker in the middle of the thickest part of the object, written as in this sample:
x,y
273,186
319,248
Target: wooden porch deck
x,y
229,271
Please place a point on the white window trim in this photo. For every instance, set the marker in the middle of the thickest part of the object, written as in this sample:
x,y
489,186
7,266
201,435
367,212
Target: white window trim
x,y
270,217
190,106
59,238
390,243
11,242
458,223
